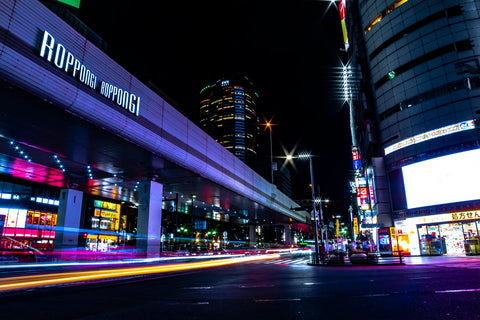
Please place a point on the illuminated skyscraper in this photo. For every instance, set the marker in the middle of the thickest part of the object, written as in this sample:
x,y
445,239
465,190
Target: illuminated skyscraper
x,y
227,113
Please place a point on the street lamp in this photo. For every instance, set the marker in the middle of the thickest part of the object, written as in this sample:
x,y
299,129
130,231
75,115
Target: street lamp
x,y
309,156
268,125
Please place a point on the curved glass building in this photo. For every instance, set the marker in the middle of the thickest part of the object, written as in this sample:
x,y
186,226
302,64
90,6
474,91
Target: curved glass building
x,y
422,61
227,113
424,69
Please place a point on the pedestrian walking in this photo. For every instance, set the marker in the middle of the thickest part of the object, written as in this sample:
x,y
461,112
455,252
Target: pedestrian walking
x,y
330,247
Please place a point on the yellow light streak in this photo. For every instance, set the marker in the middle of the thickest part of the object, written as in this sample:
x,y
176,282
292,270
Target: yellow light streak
x,y
33,281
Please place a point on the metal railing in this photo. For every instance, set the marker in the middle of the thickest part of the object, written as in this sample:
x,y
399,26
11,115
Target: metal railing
x,y
361,258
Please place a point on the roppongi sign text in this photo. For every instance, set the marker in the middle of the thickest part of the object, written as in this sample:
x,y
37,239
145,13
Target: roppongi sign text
x,y
56,53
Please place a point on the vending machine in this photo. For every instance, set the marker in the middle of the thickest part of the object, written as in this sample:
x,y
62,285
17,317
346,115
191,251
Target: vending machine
x,y
391,243
387,241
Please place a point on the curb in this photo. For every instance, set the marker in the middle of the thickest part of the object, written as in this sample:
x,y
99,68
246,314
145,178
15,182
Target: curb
x,y
355,265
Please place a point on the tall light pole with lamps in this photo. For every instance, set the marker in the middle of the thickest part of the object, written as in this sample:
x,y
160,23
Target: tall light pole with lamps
x,y
308,156
268,125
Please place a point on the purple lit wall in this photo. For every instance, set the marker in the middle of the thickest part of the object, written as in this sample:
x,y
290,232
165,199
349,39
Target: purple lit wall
x,y
158,127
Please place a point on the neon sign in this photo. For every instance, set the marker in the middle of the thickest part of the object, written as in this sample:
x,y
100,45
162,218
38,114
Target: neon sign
x,y
56,53
362,193
357,163
342,10
432,134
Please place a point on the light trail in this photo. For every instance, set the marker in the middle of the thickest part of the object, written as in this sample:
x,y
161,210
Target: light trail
x,y
41,280
457,290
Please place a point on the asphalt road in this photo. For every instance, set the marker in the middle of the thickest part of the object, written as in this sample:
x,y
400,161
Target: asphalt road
x,y
285,288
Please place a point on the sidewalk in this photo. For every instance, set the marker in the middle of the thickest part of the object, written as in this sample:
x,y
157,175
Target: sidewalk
x,y
419,260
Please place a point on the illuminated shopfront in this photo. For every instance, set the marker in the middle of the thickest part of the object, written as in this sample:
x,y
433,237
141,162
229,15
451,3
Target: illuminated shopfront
x,y
27,229
449,233
106,223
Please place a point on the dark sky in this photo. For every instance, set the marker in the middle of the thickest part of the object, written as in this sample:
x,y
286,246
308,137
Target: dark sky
x,y
288,48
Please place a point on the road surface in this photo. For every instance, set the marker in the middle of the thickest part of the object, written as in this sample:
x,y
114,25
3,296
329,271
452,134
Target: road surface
x,y
281,288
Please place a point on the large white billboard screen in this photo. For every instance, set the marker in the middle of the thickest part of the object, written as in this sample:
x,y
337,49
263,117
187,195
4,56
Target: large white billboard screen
x,y
447,179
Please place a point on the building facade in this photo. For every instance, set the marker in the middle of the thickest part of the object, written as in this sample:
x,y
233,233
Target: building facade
x,y
416,120
228,114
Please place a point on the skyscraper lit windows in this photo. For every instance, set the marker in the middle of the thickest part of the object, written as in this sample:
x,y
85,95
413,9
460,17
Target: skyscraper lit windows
x,y
227,113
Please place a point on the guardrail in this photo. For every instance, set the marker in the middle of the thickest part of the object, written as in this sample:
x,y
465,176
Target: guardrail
x,y
361,258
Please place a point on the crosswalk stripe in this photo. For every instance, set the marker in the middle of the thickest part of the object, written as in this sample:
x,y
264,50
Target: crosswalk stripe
x,y
461,265
282,261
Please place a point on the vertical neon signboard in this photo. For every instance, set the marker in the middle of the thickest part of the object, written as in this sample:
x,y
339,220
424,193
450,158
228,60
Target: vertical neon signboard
x,y
357,163
342,10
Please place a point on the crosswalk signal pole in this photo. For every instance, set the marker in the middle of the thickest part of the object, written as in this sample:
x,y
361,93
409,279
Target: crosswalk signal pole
x,y
315,215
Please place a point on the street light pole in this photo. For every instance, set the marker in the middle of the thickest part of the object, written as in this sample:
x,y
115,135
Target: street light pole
x,y
271,152
316,260
268,125
317,250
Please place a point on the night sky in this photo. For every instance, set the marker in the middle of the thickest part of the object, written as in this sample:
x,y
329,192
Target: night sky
x,y
288,48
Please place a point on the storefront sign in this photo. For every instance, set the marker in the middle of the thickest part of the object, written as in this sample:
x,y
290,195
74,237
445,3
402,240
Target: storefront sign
x,y
355,226
446,217
467,215
111,215
107,205
364,205
357,163
355,155
362,193
56,53
361,182
393,231
101,237
372,195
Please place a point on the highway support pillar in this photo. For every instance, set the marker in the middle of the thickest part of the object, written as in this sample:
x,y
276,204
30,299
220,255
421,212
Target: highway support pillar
x,y
68,220
252,235
149,221
287,234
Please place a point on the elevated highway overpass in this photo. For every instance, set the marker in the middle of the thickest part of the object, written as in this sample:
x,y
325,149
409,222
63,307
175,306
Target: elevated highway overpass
x,y
90,127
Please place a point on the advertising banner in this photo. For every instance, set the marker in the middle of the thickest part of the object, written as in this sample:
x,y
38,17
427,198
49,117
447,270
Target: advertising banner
x,y
342,9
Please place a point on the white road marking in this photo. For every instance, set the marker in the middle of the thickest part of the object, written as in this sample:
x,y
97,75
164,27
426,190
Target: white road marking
x,y
277,300
457,290
259,286
375,295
